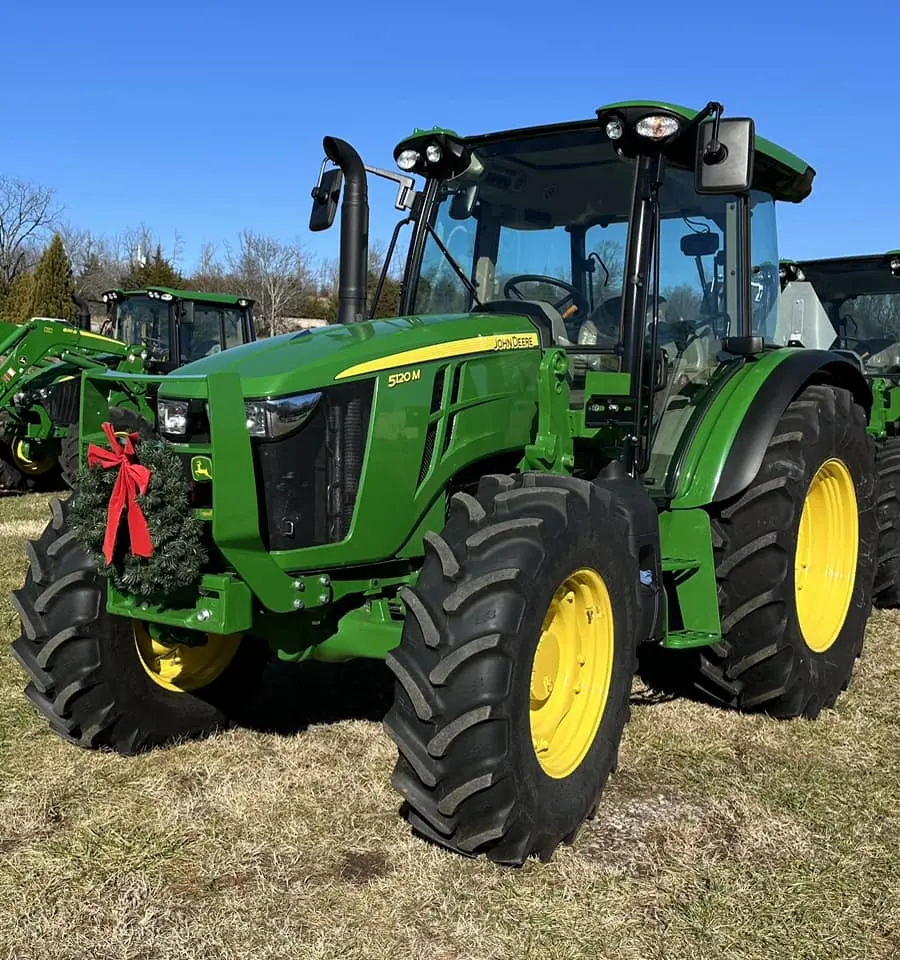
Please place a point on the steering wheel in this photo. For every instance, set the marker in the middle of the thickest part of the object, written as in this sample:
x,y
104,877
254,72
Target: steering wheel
x,y
577,301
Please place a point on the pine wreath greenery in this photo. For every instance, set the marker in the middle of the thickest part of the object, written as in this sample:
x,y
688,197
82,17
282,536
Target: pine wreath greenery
x,y
176,534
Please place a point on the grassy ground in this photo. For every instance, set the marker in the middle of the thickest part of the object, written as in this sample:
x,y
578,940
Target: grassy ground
x,y
721,836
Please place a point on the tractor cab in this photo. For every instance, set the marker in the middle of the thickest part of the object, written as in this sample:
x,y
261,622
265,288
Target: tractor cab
x,y
178,326
629,241
847,303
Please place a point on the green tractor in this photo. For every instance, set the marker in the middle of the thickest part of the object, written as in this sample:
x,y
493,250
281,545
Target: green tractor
x,y
853,304
157,329
579,440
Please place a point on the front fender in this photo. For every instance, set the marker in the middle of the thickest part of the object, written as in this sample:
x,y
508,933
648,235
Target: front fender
x,y
728,447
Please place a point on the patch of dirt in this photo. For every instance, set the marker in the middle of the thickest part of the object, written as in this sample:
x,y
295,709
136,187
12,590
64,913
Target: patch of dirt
x,y
363,866
635,830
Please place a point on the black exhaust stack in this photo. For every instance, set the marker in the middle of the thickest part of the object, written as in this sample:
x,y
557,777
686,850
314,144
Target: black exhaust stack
x,y
354,231
83,317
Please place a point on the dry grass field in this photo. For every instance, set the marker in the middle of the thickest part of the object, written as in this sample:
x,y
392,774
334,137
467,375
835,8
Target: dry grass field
x,y
721,836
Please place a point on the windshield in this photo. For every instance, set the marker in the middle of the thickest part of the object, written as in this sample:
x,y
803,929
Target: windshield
x,y
147,321
214,328
546,219
860,300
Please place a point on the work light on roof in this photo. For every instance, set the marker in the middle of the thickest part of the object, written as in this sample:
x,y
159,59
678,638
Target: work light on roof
x,y
407,159
656,127
615,128
433,153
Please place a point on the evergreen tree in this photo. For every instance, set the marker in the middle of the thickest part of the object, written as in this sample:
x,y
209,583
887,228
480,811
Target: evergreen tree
x,y
156,272
16,305
389,302
53,284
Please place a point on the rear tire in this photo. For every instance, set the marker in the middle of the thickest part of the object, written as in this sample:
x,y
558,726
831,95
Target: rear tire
x,y
86,675
12,479
475,774
887,576
765,661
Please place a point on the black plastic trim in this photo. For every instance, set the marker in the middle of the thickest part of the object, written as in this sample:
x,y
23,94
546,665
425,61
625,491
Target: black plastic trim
x,y
784,384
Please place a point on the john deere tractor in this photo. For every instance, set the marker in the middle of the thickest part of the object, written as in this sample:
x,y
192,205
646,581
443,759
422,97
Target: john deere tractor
x,y
579,438
41,363
853,304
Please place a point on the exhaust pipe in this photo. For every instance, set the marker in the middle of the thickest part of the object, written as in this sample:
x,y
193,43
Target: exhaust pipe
x,y
83,317
354,266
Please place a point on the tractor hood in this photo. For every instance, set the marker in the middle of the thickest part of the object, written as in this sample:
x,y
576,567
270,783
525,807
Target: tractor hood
x,y
312,359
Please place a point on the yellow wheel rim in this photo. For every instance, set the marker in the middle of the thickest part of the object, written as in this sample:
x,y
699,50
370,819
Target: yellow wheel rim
x,y
827,552
571,672
181,668
27,465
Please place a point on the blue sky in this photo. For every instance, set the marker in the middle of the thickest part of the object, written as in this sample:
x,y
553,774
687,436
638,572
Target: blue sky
x,y
209,117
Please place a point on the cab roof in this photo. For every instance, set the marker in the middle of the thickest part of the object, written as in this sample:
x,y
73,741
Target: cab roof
x,y
776,171
837,277
225,299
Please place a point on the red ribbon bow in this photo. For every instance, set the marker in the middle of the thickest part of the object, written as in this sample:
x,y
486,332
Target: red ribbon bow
x,y
133,478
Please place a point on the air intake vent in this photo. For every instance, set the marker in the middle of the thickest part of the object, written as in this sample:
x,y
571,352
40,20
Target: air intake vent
x,y
454,398
437,397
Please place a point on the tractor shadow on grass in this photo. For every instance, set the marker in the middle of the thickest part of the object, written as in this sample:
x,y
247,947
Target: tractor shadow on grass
x,y
294,696
667,675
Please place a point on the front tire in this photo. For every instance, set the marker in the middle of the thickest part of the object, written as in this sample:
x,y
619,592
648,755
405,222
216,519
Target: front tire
x,y
806,523
525,603
98,679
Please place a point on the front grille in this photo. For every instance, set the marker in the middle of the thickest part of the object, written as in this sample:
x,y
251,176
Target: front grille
x,y
62,404
307,482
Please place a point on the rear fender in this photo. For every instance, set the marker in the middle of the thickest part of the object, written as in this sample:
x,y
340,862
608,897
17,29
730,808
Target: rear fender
x,y
727,450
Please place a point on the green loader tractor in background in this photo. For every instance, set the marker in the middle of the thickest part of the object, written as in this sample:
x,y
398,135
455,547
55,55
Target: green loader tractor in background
x,y
853,304
579,439
41,363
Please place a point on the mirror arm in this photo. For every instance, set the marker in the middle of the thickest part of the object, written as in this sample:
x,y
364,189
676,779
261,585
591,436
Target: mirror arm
x,y
715,152
407,192
317,192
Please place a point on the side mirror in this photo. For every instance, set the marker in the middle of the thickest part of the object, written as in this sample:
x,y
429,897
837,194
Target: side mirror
x,y
326,194
725,155
463,203
700,244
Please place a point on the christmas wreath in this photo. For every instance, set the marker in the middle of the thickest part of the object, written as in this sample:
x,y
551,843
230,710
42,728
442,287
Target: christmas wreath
x,y
142,483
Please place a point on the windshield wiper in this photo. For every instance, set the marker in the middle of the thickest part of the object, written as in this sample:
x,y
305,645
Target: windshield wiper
x,y
457,269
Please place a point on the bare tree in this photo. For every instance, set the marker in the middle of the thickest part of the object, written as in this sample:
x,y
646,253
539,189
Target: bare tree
x,y
210,274
27,215
271,272
95,266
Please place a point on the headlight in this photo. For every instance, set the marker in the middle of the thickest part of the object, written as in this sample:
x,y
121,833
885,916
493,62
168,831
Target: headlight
x,y
656,127
173,416
281,416
407,159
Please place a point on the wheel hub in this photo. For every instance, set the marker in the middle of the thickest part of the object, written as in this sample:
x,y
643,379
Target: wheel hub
x,y
181,668
571,673
827,553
